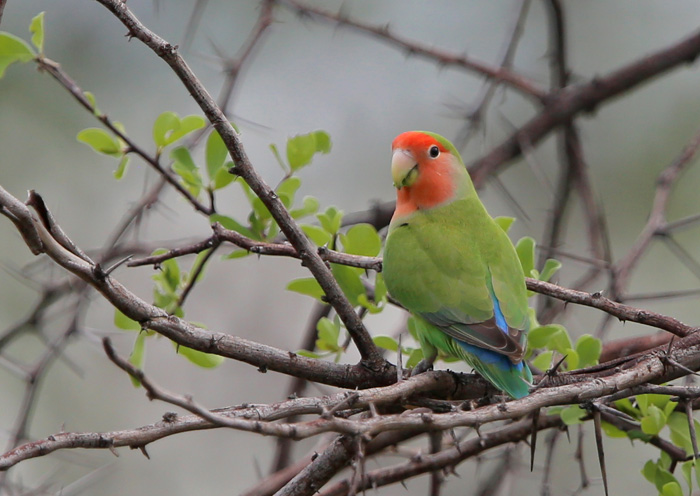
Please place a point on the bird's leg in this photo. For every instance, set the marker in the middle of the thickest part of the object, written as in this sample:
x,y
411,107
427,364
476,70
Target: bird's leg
x,y
429,356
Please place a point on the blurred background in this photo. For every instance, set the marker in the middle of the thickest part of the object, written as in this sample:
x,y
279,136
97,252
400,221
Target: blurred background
x,y
307,75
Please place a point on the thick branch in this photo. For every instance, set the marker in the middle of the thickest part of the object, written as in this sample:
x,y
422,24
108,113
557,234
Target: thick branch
x,y
585,98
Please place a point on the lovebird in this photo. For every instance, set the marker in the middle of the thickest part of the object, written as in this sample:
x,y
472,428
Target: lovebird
x,y
453,267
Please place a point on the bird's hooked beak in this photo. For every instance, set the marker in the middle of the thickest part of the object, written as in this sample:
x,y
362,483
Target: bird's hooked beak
x,y
404,168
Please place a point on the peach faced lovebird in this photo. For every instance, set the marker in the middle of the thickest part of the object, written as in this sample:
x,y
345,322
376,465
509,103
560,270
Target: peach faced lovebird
x,y
453,267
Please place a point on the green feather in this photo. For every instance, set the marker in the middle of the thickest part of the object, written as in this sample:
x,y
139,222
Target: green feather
x,y
446,265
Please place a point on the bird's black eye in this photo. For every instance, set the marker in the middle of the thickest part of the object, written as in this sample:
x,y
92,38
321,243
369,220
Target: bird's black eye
x,y
433,151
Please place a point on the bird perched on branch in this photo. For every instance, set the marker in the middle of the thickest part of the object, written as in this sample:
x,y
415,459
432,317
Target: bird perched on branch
x,y
453,267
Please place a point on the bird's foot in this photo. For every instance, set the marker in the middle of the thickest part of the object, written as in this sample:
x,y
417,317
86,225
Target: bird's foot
x,y
423,366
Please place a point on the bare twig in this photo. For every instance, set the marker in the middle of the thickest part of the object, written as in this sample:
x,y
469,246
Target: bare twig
x,y
657,217
512,79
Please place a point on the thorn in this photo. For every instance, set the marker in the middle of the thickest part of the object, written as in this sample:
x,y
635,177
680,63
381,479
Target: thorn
x,y
114,266
553,371
143,450
599,445
169,417
533,437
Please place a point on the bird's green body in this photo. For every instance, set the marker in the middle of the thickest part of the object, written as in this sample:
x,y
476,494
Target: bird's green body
x,y
453,267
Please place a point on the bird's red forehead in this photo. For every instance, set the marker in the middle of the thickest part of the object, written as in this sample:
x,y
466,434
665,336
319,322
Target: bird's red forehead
x,y
415,140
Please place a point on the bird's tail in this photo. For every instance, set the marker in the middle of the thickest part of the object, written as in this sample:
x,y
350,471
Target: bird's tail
x,y
514,379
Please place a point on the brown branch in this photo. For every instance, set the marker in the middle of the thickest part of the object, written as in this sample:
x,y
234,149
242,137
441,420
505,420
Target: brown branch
x,y
273,483
632,346
514,80
369,352
622,312
259,248
564,105
244,416
514,432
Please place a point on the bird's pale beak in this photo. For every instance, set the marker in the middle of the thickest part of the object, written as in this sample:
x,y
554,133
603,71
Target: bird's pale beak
x,y
404,168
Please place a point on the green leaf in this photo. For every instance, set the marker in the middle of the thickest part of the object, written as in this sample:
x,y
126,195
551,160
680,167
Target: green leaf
x,y
215,155
278,157
504,222
625,406
236,254
657,475
612,431
361,239
550,267
328,334
543,361
223,178
330,220
307,286
123,322
36,27
169,275
233,225
654,421
643,403
687,471
672,488
93,102
560,341
168,127
540,337
163,127
185,167
13,49
414,358
588,349
349,281
138,355
680,433
288,189
526,253
649,471
573,414
302,148
122,167
308,354
380,290
205,360
572,359
100,140
310,206
386,342
316,234
365,302
260,209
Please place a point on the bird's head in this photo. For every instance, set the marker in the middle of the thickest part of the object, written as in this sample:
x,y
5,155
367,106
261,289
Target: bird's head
x,y
427,171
